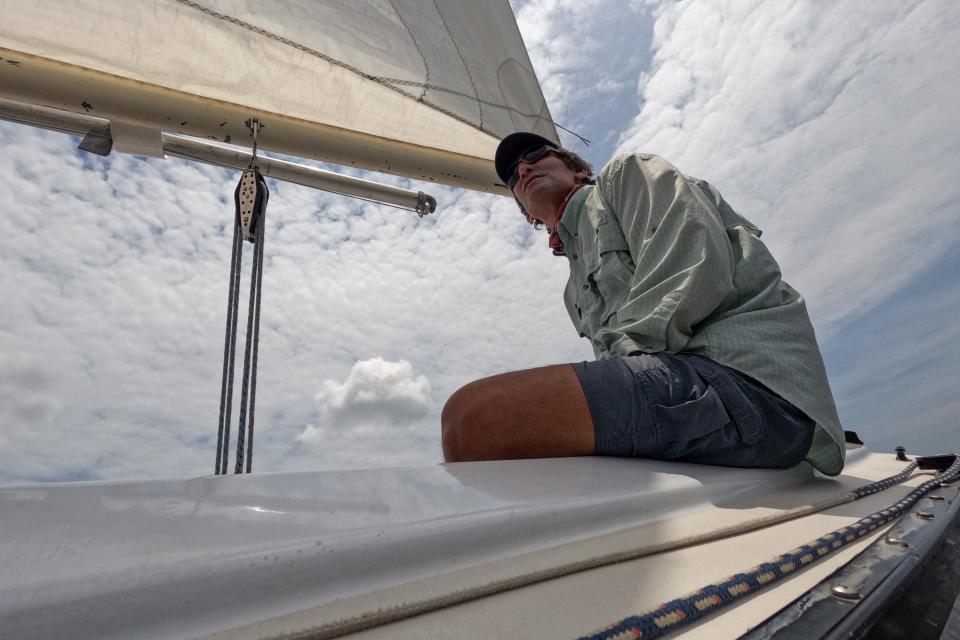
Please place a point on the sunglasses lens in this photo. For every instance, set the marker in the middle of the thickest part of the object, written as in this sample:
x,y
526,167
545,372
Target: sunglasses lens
x,y
530,155
535,153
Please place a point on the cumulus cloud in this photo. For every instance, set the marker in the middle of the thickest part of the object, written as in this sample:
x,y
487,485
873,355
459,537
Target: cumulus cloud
x,y
377,395
380,414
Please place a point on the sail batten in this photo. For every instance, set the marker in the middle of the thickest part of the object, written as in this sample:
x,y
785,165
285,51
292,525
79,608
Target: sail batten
x,y
393,85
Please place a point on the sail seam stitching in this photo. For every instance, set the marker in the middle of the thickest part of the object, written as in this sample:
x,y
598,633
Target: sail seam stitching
x,y
426,67
476,94
379,80
414,83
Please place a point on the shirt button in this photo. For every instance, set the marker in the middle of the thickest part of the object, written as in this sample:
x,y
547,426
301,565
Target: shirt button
x,y
574,256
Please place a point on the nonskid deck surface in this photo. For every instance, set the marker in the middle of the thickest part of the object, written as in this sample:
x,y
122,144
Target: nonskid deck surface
x,y
283,552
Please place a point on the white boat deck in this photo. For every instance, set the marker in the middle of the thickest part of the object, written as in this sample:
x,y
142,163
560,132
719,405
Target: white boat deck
x,y
264,555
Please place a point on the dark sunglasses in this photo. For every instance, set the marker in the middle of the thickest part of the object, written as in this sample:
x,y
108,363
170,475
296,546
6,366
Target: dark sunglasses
x,y
529,155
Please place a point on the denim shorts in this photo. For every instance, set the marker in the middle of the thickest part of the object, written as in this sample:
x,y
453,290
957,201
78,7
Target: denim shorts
x,y
689,408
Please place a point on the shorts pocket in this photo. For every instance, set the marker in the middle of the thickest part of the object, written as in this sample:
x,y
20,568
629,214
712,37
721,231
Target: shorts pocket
x,y
738,405
693,419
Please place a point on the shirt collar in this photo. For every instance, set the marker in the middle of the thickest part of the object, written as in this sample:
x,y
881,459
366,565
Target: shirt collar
x,y
570,219
556,242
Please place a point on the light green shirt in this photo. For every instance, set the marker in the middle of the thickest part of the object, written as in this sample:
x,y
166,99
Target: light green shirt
x,y
660,262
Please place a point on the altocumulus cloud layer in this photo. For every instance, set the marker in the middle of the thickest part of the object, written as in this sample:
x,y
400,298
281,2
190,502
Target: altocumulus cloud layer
x,y
831,127
115,278
834,126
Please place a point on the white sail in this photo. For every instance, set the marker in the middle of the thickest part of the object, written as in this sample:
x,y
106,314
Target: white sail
x,y
416,88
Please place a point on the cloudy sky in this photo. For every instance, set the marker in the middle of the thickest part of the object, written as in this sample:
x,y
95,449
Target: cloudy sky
x,y
833,126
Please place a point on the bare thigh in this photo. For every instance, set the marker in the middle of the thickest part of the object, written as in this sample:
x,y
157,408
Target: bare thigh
x,y
534,413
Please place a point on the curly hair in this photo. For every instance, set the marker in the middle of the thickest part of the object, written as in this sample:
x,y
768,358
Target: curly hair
x,y
575,163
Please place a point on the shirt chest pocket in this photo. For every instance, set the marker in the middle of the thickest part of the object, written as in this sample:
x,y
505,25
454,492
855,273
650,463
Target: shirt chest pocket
x,y
609,267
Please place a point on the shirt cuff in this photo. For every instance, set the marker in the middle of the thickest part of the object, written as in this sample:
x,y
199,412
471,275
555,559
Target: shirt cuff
x,y
624,345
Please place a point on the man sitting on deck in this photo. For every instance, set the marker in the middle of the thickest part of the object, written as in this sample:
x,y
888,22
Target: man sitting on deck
x,y
703,353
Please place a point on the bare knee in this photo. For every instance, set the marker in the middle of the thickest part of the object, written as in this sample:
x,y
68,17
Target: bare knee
x,y
534,413
464,424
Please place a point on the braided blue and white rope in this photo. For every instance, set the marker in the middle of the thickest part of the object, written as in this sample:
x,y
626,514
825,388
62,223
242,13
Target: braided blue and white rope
x,y
669,616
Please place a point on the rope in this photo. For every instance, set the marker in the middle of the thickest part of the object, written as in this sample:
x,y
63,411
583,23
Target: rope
x,y
253,329
256,341
250,198
245,385
386,82
380,617
886,483
670,616
229,347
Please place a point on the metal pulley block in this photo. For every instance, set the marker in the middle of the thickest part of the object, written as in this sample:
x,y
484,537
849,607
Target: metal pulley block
x,y
250,198
251,194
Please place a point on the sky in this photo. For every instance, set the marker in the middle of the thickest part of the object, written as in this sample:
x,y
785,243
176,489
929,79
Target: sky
x,y
832,126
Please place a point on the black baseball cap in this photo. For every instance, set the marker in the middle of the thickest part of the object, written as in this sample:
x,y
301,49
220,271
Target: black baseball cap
x,y
512,146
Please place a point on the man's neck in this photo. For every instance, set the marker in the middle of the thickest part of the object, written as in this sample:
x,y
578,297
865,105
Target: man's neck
x,y
552,213
562,206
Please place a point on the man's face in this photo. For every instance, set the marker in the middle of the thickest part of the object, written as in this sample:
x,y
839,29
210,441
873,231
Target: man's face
x,y
542,186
